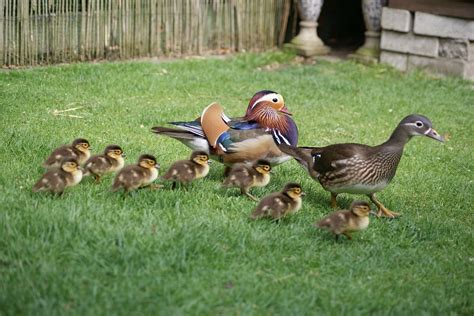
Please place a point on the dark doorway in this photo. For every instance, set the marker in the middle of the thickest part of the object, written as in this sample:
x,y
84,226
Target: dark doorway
x,y
341,25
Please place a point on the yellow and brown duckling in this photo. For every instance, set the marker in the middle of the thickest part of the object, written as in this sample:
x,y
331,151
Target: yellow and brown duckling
x,y
110,161
280,204
142,174
56,180
79,150
185,171
245,176
344,222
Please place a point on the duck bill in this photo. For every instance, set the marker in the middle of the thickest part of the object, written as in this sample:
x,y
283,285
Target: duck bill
x,y
284,109
157,166
435,135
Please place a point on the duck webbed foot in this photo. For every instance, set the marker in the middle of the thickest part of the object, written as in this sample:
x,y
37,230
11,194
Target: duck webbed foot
x,y
382,210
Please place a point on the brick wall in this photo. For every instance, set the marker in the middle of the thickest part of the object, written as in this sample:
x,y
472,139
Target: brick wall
x,y
438,44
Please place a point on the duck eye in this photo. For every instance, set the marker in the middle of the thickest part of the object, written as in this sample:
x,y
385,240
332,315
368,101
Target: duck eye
x,y
275,100
419,124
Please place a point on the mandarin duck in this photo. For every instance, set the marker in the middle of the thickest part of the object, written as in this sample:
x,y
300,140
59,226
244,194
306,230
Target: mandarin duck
x,y
246,176
280,204
361,169
79,150
344,222
185,171
142,174
110,161
56,180
239,139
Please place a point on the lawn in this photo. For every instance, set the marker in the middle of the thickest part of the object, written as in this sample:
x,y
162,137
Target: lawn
x,y
195,251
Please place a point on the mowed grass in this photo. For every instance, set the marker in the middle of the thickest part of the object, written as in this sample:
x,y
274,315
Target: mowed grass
x,y
195,251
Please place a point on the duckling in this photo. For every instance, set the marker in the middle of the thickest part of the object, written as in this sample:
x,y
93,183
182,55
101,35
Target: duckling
x,y
185,171
344,222
79,150
111,161
133,177
246,176
280,204
56,180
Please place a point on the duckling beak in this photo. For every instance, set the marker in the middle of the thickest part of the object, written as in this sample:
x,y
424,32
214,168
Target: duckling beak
x,y
123,155
373,213
431,133
157,166
210,161
302,193
284,109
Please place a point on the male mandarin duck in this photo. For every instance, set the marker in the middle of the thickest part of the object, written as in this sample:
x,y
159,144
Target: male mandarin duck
x,y
361,169
185,171
246,175
347,221
240,139
68,174
279,204
79,150
110,161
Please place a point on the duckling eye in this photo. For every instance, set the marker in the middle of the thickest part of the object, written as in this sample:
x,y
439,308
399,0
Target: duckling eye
x,y
275,100
297,190
419,124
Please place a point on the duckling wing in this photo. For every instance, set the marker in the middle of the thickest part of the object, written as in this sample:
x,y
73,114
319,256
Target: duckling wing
x,y
129,177
182,171
51,181
273,205
58,154
239,175
97,164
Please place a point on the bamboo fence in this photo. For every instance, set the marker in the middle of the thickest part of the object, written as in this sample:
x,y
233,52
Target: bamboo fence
x,y
34,32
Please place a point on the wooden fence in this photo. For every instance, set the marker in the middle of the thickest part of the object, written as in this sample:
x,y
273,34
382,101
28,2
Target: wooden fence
x,y
36,32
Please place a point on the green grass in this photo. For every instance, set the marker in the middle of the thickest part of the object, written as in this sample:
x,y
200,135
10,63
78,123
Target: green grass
x,y
195,252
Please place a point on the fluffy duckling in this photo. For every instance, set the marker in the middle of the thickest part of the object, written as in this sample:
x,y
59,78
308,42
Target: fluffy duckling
x,y
79,150
56,180
110,161
280,204
246,176
344,222
133,177
185,171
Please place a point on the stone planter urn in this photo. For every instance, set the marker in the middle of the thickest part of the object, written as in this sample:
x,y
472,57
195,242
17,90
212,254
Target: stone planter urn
x,y
372,11
307,43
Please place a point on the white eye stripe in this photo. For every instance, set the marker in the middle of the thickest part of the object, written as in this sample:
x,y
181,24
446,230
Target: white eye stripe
x,y
267,97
